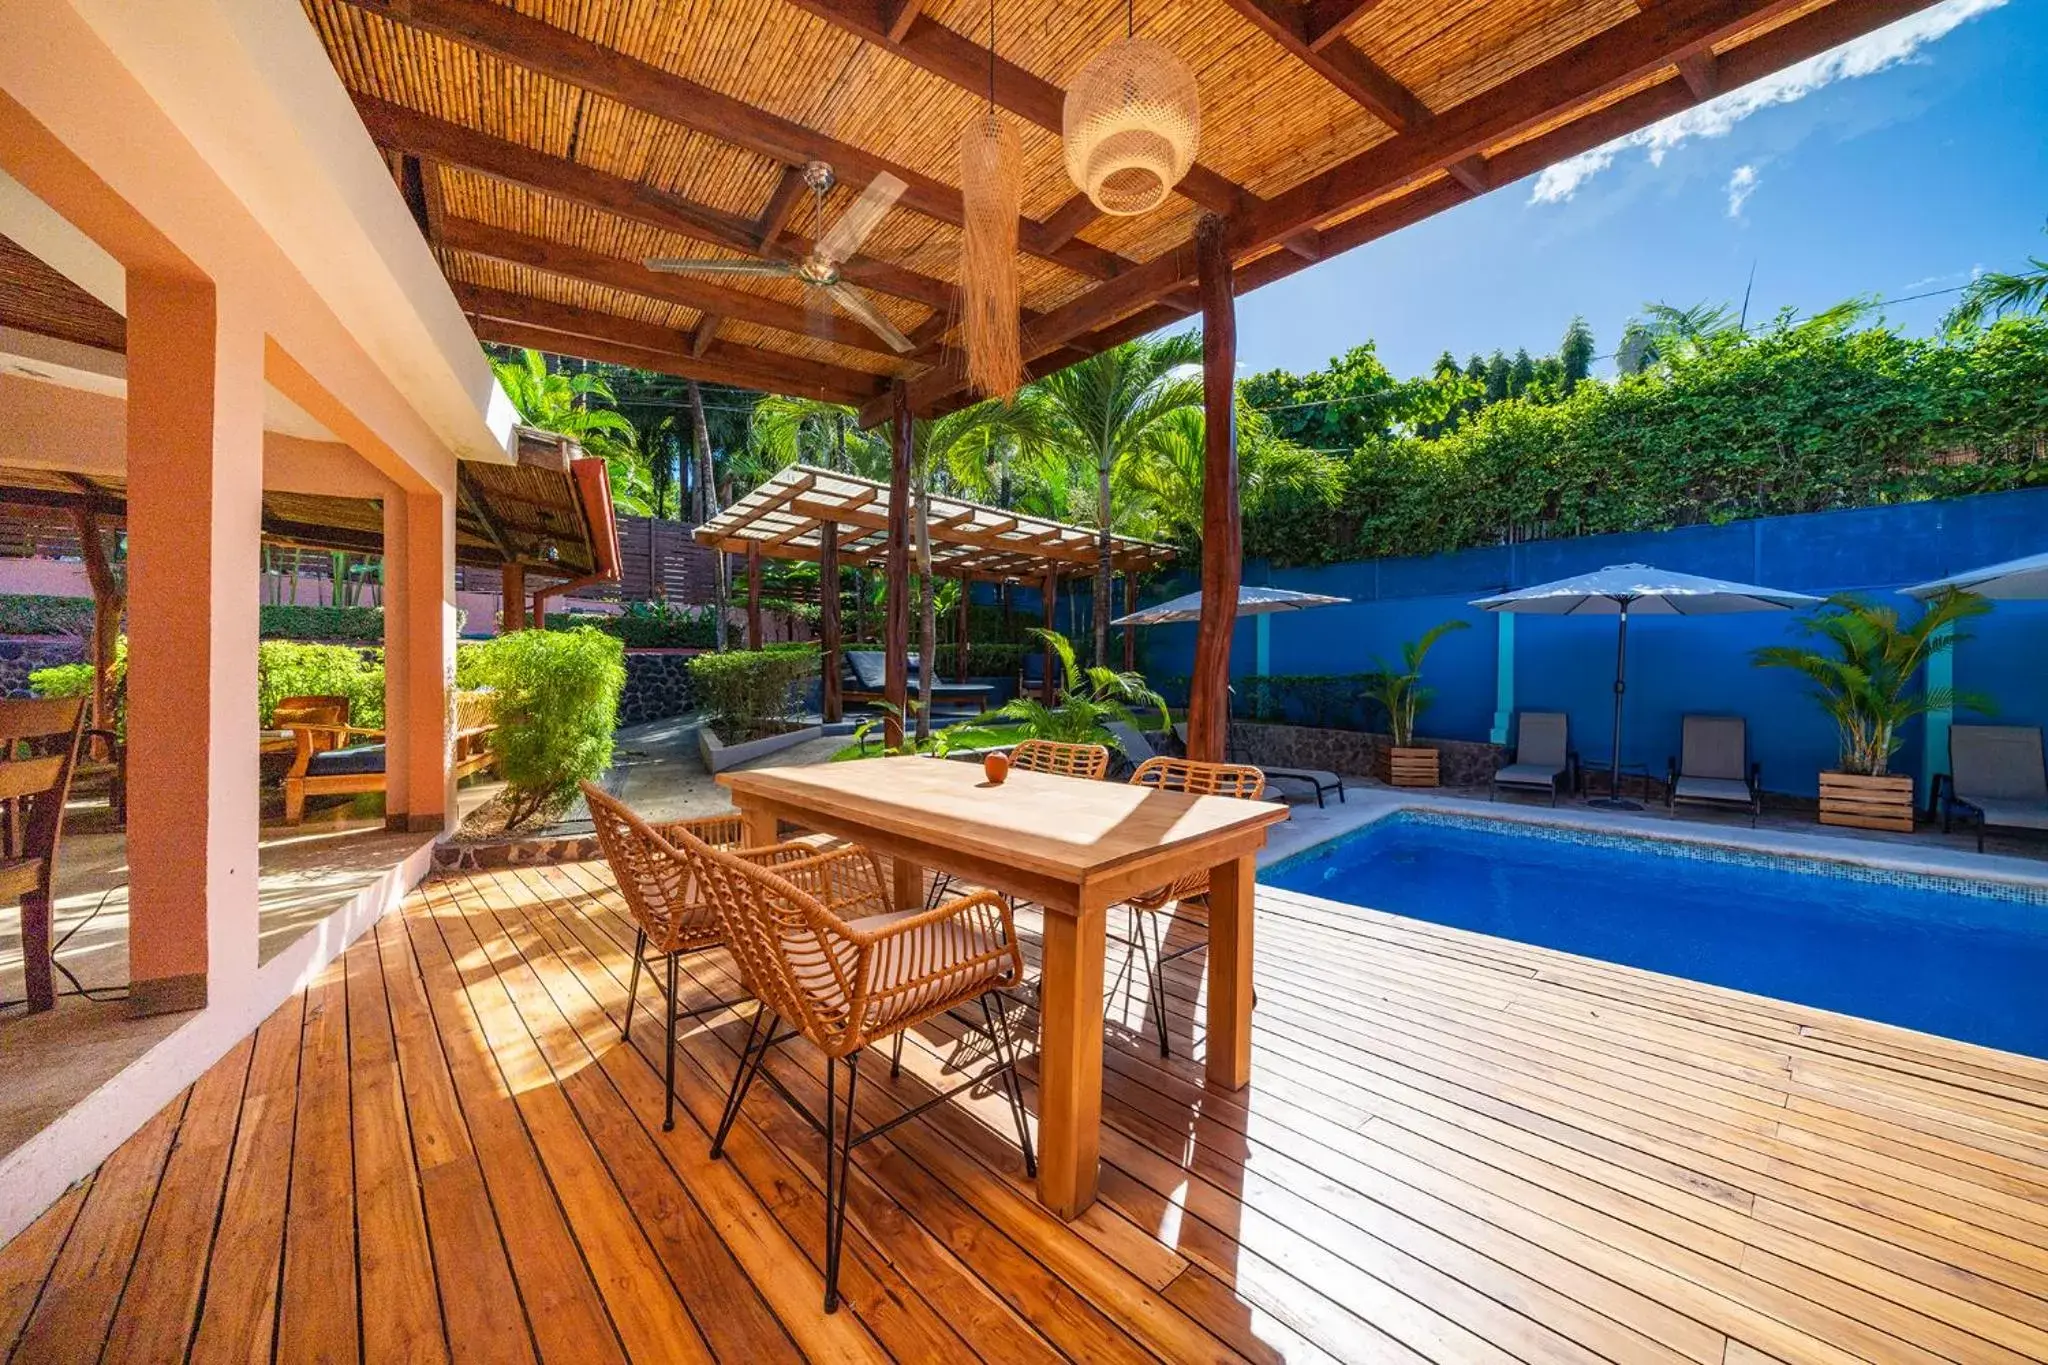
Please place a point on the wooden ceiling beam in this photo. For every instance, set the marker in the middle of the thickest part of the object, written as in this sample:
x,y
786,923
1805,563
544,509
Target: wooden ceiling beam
x,y
706,296
1626,52
559,317
788,195
739,367
1324,21
1336,60
537,45
963,61
436,140
704,333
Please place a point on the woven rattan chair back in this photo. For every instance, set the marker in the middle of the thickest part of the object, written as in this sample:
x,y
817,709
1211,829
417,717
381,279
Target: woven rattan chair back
x,y
1090,761
660,888
1201,779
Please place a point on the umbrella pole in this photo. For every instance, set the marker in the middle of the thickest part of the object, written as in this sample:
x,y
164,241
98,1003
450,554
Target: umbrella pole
x,y
1614,800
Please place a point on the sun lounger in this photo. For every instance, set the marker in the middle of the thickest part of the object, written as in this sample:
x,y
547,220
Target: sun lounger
x,y
864,675
1322,780
1544,761
1995,777
1713,767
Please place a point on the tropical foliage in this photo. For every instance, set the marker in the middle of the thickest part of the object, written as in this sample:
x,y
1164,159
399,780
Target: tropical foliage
x,y
1996,293
1400,692
1864,668
579,405
558,706
750,693
1088,701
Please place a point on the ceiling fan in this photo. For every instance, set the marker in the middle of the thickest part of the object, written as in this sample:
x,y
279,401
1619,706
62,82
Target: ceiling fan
x,y
820,269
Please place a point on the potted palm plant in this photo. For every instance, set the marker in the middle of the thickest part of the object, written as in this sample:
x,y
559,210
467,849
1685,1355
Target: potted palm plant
x,y
1402,695
1862,669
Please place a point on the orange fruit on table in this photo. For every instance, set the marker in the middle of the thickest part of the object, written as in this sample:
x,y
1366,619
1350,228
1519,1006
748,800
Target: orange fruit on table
x,y
997,766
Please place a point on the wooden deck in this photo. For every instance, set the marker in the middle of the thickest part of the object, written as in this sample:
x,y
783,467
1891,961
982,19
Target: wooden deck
x,y
1454,1149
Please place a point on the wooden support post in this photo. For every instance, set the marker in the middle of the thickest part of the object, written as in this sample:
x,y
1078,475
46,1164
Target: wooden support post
x,y
514,593
828,619
753,594
107,603
1222,535
896,631
1047,690
960,650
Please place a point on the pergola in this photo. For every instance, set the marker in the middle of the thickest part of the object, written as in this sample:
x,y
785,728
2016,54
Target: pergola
x,y
544,161
823,517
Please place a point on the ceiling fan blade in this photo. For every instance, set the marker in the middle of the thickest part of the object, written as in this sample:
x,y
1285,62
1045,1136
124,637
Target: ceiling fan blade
x,y
856,304
844,237
683,265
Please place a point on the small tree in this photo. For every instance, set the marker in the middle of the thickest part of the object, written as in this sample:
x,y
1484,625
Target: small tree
x,y
558,706
1863,674
1402,693
1089,700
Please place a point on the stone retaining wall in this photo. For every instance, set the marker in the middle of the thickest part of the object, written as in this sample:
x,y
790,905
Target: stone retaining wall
x,y
657,685
1462,762
21,655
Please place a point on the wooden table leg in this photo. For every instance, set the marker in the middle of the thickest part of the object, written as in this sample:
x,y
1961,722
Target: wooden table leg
x,y
1070,1060
762,828
908,884
1230,973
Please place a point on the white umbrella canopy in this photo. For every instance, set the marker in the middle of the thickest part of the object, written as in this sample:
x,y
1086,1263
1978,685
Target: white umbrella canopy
x,y
2014,580
1622,590
1250,602
1641,590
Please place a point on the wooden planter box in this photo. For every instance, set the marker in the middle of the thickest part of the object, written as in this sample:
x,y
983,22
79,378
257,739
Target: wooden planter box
x,y
1408,767
1867,802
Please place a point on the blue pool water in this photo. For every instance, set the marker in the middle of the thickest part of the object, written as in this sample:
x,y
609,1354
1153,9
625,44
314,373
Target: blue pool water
x,y
1963,959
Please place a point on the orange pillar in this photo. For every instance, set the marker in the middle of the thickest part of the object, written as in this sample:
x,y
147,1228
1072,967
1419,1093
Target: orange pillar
x,y
425,611
195,507
513,616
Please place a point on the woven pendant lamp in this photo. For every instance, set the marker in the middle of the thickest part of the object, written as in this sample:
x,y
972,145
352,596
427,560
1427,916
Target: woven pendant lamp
x,y
1131,124
991,181
991,191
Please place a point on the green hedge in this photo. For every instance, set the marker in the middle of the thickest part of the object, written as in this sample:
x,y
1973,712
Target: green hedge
x,y
1796,418
649,625
983,660
286,621
34,614
286,668
558,707
747,693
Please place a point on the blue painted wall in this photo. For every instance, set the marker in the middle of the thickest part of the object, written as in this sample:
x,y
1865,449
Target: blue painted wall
x,y
1676,665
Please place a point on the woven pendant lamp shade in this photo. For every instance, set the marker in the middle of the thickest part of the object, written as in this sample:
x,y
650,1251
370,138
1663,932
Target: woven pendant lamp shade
x,y
1130,126
991,180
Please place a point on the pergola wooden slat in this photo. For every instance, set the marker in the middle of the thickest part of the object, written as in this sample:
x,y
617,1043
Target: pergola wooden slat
x,y
823,517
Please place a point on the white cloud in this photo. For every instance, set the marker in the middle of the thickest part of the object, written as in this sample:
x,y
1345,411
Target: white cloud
x,y
1741,185
1865,56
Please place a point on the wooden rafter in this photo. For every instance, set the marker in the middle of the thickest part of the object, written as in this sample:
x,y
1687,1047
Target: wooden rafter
x,y
539,46
1337,61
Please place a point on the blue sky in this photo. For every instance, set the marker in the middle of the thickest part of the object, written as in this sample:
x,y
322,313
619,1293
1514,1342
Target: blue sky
x,y
1894,167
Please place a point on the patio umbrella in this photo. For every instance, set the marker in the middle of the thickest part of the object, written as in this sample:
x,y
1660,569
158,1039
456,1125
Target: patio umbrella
x,y
1250,602
2010,581
1621,589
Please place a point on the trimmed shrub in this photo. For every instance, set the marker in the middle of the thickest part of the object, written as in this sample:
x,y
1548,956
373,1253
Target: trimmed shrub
x,y
287,669
749,693
62,680
983,660
288,621
35,614
649,625
558,706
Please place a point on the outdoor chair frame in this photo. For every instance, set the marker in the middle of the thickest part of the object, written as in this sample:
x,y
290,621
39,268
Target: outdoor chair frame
x,y
1975,789
819,946
1697,732
35,785
1544,760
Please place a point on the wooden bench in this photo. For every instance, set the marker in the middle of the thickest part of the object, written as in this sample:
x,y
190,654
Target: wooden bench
x,y
326,763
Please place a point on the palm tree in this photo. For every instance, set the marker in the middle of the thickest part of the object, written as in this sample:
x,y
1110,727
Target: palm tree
x,y
1164,477
787,431
1995,293
568,405
654,436
1108,403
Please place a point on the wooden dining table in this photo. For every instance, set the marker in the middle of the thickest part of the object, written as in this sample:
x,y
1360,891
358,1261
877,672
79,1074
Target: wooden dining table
x,y
1077,848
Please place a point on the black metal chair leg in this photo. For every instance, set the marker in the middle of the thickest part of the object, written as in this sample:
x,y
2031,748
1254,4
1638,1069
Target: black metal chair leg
x,y
668,1069
1156,961
633,982
1013,1085
896,1057
750,1060
838,1160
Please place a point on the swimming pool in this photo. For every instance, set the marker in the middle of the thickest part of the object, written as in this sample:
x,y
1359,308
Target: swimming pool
x,y
1964,959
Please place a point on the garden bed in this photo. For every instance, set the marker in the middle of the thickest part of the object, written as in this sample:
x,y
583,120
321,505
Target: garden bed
x,y
764,738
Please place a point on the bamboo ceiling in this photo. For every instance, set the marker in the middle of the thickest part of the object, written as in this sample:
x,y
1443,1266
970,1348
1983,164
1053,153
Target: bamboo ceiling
x,y
548,146
786,517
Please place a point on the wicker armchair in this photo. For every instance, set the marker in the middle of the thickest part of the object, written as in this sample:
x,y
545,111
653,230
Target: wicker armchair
x,y
815,952
1148,934
670,912
1090,761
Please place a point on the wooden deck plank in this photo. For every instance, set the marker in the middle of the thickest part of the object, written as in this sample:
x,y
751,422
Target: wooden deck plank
x,y
1453,1148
